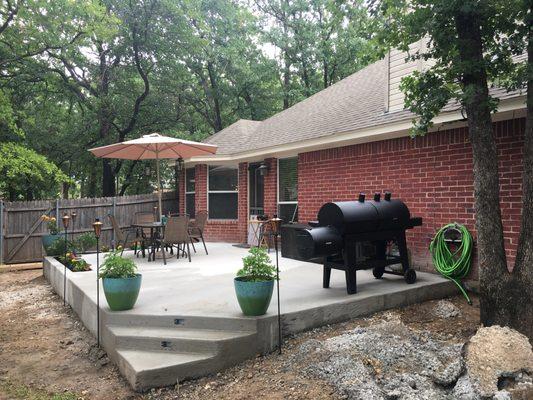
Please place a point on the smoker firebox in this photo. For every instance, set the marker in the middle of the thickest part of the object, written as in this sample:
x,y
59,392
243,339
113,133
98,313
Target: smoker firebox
x,y
344,229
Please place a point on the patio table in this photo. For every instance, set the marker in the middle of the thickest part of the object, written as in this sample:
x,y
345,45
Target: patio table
x,y
155,233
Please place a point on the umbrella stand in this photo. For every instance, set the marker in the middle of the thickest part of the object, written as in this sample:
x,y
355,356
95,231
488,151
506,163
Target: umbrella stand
x,y
158,186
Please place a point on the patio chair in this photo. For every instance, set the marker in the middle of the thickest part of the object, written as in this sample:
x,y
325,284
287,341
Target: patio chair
x,y
176,234
143,234
120,238
196,229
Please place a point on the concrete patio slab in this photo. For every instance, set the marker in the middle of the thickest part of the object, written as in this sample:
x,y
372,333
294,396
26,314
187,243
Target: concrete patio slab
x,y
188,318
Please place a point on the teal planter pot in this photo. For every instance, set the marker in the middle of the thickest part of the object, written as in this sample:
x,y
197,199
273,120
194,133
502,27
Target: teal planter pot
x,y
121,293
253,297
48,240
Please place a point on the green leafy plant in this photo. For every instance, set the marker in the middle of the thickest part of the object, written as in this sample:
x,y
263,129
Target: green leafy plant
x,y
257,266
57,248
116,266
85,242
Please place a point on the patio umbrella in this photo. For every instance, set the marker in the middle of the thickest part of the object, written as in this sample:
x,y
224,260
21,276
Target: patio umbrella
x,y
154,147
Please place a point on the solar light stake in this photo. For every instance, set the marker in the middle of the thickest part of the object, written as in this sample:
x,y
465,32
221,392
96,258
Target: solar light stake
x,y
66,220
97,227
277,223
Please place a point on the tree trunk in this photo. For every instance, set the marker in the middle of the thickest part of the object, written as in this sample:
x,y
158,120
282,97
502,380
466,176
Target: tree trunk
x,y
522,277
496,300
214,95
286,80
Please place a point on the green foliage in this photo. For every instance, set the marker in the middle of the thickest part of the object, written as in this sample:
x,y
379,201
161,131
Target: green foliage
x,y
27,174
84,242
57,248
115,266
257,266
442,82
78,74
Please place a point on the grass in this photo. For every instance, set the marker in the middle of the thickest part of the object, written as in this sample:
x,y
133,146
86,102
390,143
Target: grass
x,y
23,392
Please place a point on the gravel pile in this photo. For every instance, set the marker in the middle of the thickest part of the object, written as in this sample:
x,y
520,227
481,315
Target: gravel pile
x,y
390,361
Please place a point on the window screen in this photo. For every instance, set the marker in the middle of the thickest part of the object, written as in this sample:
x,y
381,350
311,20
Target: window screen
x,y
288,180
223,196
190,191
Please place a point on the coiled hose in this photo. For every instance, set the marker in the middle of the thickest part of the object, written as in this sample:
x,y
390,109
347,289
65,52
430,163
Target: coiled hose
x,y
453,265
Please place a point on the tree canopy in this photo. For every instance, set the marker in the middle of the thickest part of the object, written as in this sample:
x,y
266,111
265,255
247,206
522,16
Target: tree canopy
x,y
79,74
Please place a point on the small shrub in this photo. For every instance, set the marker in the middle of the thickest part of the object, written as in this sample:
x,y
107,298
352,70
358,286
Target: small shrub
x,y
57,248
115,266
85,242
257,266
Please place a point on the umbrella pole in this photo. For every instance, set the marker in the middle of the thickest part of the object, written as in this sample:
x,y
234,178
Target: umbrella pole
x,y
158,186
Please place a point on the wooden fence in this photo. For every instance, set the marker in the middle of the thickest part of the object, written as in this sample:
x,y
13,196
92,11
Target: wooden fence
x,y
21,227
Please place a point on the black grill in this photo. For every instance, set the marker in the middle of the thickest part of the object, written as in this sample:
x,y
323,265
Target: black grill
x,y
353,235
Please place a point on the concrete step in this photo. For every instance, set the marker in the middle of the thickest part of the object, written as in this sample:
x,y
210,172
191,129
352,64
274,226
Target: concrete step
x,y
170,321
146,369
180,340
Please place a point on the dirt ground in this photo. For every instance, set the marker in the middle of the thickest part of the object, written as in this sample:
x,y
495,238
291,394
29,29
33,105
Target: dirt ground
x,y
46,353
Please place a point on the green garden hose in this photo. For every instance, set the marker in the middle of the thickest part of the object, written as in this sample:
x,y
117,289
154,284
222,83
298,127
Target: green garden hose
x,y
453,265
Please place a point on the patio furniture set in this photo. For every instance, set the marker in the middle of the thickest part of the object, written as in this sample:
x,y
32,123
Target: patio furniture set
x,y
177,231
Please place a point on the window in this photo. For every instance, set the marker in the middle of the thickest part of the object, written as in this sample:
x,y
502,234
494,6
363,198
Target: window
x,y
288,189
190,191
223,197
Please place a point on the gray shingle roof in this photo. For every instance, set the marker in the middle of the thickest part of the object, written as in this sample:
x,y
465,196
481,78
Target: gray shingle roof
x,y
353,103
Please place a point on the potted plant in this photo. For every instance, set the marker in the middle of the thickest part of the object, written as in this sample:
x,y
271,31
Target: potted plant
x,y
53,235
121,281
255,282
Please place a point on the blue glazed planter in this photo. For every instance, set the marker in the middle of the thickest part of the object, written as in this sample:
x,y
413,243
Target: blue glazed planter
x,y
121,293
49,239
253,297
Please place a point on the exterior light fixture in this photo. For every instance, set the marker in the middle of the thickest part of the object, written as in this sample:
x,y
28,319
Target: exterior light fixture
x,y
263,168
180,164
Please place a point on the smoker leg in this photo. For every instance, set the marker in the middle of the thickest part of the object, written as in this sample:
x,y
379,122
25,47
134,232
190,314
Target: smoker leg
x,y
381,255
402,247
327,276
350,259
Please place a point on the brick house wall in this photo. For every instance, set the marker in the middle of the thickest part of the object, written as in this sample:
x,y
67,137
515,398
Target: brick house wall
x,y
431,174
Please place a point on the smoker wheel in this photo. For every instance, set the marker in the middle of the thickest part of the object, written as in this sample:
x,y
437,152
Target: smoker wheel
x,y
410,276
378,272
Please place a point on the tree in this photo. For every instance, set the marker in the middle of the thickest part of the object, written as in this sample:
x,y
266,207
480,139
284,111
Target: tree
x,y
26,174
471,43
320,42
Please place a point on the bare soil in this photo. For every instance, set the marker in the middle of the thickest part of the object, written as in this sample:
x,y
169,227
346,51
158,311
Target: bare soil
x,y
46,353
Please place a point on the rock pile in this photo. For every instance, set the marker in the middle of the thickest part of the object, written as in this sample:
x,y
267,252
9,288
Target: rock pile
x,y
389,361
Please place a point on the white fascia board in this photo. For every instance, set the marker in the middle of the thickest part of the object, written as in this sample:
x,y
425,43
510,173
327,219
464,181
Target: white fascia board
x,y
508,109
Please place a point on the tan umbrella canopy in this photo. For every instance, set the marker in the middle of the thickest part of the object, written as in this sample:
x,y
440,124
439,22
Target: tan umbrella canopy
x,y
154,147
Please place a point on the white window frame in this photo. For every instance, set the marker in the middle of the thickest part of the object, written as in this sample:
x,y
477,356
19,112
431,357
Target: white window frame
x,y
222,191
185,190
277,185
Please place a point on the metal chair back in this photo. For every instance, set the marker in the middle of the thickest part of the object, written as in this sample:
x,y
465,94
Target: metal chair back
x,y
200,220
176,230
144,217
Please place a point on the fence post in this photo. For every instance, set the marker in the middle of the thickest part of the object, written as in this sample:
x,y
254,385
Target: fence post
x,y
114,216
1,232
57,214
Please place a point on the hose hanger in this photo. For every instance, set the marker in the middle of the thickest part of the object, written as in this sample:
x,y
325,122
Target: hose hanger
x,y
451,251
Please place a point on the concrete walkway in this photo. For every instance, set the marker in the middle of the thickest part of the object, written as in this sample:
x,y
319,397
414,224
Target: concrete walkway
x,y
187,322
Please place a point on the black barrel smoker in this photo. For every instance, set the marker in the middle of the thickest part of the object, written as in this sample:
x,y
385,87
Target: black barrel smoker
x,y
354,235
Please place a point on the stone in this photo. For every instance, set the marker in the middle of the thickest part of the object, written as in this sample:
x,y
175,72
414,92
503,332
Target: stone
x,y
446,309
497,352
